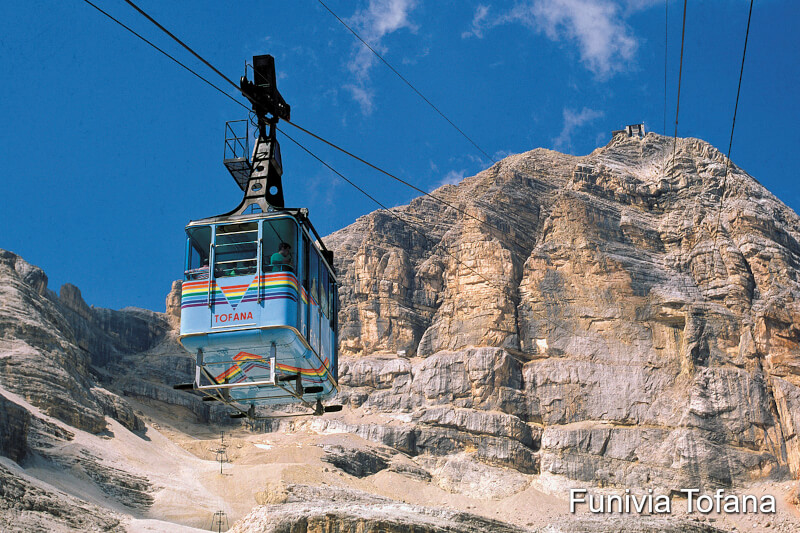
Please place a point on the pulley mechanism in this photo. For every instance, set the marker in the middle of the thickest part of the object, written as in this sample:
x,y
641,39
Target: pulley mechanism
x,y
263,190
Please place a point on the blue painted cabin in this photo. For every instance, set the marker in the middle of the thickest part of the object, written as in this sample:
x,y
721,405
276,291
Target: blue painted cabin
x,y
259,308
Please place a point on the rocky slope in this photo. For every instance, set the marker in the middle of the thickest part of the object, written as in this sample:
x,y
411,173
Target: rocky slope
x,y
50,344
59,361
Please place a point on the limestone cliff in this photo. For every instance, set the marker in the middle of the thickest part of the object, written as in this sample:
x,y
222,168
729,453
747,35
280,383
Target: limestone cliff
x,y
49,343
59,360
644,319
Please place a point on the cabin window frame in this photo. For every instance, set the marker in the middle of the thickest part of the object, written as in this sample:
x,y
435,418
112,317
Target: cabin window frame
x,y
192,272
306,284
235,270
269,248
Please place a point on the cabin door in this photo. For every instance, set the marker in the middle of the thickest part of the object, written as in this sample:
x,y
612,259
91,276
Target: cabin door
x,y
235,284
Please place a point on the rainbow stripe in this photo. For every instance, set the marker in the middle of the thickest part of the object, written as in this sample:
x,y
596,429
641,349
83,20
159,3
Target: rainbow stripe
x,y
273,286
245,362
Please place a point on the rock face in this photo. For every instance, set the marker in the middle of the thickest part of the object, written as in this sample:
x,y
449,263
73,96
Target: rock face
x,y
25,506
617,318
58,356
14,425
358,463
455,402
62,356
48,344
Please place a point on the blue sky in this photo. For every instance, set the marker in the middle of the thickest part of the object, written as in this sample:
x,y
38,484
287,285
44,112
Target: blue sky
x,y
109,148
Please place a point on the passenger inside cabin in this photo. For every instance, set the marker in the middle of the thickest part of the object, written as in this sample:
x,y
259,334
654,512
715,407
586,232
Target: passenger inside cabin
x,y
282,259
198,273
243,268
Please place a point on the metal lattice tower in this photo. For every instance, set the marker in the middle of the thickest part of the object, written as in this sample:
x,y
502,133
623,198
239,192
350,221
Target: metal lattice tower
x,y
220,518
222,452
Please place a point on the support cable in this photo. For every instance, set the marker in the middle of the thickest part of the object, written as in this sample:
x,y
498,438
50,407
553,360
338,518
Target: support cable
x,y
195,54
677,109
384,208
464,212
389,174
680,72
666,48
165,53
385,62
333,145
733,125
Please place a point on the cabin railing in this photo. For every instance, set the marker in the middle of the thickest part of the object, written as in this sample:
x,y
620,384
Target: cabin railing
x,y
259,268
211,260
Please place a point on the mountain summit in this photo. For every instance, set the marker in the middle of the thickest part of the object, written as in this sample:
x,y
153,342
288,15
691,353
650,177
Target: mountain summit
x,y
644,308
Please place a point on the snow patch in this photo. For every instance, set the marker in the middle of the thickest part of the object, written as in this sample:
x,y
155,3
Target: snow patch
x,y
541,344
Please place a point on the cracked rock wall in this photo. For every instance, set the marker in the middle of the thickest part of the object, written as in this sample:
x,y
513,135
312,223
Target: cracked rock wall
x,y
645,322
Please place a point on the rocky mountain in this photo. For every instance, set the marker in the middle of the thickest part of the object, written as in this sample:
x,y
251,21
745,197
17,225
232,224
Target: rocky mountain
x,y
64,369
624,319
628,318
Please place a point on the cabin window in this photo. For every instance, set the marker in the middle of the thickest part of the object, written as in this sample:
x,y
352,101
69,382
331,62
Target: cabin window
x,y
313,267
323,289
236,249
198,242
331,304
304,310
280,245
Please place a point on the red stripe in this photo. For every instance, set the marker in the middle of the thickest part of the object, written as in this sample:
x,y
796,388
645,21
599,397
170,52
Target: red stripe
x,y
194,284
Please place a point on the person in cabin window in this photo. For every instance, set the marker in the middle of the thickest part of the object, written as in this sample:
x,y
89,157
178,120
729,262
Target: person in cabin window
x,y
282,259
202,272
242,268
248,268
198,273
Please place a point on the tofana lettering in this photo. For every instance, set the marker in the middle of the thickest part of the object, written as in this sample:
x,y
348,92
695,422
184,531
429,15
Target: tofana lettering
x,y
232,317
722,503
650,503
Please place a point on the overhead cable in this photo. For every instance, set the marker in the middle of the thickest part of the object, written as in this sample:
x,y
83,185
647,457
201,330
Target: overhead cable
x,y
680,72
385,62
389,174
384,208
733,125
195,54
165,53
666,48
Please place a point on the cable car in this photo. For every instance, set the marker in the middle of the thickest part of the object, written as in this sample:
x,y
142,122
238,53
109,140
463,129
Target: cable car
x,y
259,301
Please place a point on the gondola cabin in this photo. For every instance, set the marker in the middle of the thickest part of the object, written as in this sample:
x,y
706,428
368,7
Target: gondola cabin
x,y
259,301
259,305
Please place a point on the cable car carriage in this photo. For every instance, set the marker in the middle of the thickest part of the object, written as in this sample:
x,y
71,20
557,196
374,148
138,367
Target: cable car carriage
x,y
259,300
